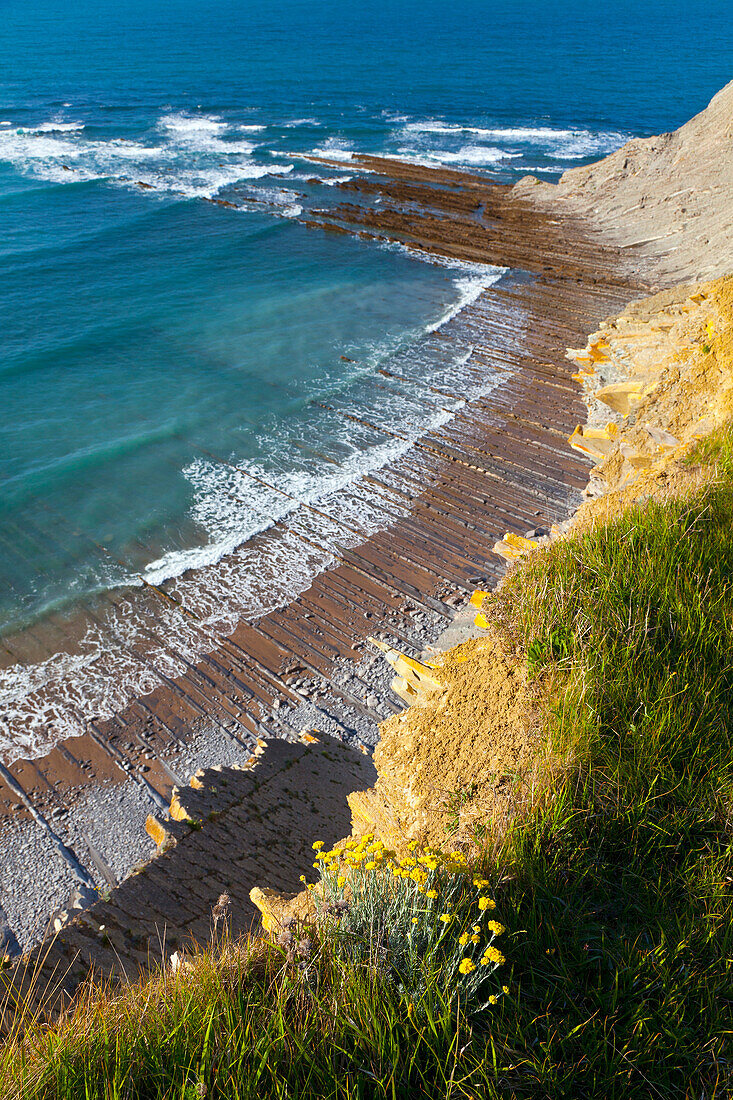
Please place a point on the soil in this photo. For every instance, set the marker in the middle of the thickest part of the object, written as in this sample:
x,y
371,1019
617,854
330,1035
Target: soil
x,y
457,756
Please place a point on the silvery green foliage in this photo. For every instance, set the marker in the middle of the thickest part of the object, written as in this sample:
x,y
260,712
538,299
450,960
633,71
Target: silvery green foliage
x,y
410,917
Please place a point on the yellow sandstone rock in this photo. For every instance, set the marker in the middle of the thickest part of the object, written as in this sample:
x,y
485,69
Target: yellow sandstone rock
x,y
595,442
511,547
623,397
177,811
156,830
418,675
280,911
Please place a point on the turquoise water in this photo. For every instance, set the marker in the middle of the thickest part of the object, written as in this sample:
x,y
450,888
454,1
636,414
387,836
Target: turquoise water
x,y
152,342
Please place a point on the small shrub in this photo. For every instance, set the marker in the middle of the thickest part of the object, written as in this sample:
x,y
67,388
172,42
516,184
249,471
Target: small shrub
x,y
416,918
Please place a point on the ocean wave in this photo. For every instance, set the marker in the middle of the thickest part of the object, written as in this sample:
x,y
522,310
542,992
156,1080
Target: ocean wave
x,y
334,148
326,181
334,181
187,124
295,122
567,144
194,159
469,287
234,505
469,155
52,128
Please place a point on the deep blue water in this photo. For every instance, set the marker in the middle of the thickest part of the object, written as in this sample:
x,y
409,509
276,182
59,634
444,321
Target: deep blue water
x,y
151,341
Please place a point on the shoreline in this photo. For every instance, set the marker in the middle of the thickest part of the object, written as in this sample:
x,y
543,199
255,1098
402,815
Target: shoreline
x,y
501,463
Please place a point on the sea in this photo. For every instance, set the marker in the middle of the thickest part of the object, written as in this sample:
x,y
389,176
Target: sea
x,y
178,375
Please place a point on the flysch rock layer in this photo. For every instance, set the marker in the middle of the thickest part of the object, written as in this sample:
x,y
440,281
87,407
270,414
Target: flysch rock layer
x,y
668,200
232,828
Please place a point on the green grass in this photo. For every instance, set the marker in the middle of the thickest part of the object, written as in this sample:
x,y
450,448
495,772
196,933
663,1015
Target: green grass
x,y
616,896
250,1025
624,884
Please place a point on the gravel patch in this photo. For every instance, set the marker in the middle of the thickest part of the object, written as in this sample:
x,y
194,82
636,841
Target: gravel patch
x,y
29,898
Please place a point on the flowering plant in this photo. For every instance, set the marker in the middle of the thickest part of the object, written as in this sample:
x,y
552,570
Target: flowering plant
x,y
410,914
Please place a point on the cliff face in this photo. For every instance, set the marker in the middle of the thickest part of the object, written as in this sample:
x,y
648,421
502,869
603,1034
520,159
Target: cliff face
x,y
470,753
668,200
458,757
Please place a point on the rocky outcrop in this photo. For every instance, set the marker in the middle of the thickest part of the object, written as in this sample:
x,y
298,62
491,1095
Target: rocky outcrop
x,y
455,760
667,200
657,378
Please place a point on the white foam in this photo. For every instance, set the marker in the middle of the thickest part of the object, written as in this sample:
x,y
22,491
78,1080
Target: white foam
x,y
333,181
300,122
52,128
469,288
567,144
334,149
188,162
472,154
186,124
468,156
431,126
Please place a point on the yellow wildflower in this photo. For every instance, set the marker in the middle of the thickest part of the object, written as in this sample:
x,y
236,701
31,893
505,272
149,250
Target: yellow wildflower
x,y
414,920
463,940
317,845
446,918
493,999
341,880
475,939
505,989
480,882
370,865
431,893
495,927
477,927
491,954
486,903
466,966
